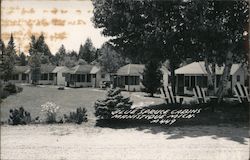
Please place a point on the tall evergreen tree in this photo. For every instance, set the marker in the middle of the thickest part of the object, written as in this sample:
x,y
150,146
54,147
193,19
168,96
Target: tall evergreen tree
x,y
60,55
2,56
152,77
39,46
23,59
87,51
34,61
9,59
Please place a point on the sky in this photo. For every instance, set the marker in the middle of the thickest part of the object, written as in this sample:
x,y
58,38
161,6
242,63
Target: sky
x,y
66,22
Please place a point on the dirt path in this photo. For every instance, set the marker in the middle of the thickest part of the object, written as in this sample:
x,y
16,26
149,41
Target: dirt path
x,y
68,141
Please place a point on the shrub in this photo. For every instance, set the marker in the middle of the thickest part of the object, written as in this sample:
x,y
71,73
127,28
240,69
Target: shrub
x,y
4,94
50,109
114,100
77,117
19,116
11,88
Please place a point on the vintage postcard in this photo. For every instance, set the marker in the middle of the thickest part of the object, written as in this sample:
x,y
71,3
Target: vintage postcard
x,y
124,80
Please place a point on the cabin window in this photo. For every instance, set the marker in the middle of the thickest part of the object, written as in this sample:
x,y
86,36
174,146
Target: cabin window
x,y
126,80
205,81
51,76
186,81
94,75
78,78
192,81
238,78
88,78
83,78
134,80
44,76
14,77
23,76
200,81
71,77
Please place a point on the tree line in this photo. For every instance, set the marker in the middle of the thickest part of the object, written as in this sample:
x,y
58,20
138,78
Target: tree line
x,y
39,53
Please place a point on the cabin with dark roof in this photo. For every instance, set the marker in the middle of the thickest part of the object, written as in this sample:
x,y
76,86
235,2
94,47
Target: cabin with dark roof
x,y
20,74
78,76
47,75
130,76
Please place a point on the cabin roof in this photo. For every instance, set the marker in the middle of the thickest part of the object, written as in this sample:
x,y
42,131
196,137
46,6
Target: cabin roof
x,y
199,68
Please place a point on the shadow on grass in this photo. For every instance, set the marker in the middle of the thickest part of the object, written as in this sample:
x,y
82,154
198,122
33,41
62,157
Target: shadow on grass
x,y
228,121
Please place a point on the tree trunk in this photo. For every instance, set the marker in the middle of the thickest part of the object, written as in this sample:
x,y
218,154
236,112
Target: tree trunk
x,y
173,79
225,76
209,77
213,77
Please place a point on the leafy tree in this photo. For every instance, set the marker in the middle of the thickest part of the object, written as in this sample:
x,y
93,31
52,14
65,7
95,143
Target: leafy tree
x,y
82,62
218,35
8,59
145,30
87,51
152,77
110,59
215,34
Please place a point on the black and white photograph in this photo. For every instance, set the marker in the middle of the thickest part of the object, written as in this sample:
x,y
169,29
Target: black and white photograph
x,y
124,80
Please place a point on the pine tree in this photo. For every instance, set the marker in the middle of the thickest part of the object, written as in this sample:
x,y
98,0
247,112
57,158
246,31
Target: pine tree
x,y
33,45
39,46
23,60
152,77
42,47
8,59
34,61
60,56
113,101
87,51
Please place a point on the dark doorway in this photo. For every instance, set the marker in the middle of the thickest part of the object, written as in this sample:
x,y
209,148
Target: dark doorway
x,y
180,84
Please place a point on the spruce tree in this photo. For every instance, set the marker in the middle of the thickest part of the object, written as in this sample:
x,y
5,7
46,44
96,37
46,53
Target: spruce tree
x,y
34,61
23,60
152,77
113,101
87,51
8,59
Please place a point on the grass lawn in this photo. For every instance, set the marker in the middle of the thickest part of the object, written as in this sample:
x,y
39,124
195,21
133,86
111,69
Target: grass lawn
x,y
31,98
90,142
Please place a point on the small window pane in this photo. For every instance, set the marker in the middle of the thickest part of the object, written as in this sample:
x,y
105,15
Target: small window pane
x,y
238,78
186,81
